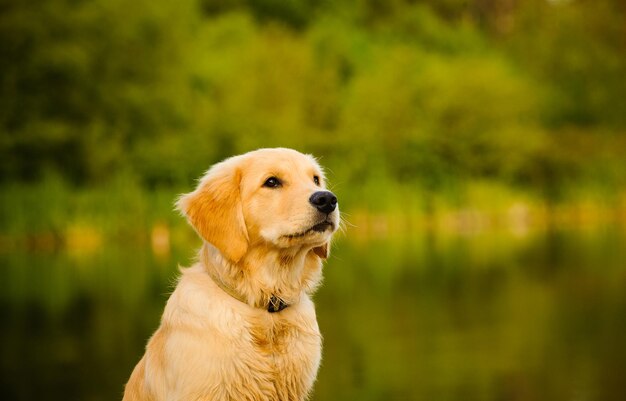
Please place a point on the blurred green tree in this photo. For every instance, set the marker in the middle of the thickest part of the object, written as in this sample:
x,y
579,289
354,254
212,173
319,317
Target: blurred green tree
x,y
82,81
420,93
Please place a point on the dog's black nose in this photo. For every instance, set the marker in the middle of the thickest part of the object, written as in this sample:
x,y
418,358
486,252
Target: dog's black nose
x,y
324,201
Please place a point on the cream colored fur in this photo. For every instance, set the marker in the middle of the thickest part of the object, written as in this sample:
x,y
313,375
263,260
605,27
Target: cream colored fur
x,y
217,341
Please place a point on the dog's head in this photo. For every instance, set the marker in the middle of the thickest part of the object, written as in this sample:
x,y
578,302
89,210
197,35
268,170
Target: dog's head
x,y
269,197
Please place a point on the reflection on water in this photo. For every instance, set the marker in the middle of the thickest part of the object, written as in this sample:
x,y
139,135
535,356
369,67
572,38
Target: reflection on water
x,y
426,318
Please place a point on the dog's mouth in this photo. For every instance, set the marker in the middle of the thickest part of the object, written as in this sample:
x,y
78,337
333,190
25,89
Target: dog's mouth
x,y
319,228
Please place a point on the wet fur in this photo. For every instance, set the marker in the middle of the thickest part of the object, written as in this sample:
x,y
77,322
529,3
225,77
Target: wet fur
x,y
211,346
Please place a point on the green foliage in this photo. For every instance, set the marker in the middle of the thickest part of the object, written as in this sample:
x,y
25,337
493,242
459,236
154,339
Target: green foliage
x,y
421,96
83,81
577,50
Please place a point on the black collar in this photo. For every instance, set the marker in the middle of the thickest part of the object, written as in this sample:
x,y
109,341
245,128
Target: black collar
x,y
274,305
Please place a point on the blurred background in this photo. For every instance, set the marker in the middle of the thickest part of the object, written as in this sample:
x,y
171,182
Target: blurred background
x,y
476,146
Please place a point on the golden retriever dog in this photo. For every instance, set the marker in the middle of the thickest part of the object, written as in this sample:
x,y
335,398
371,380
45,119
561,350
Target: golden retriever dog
x,y
240,324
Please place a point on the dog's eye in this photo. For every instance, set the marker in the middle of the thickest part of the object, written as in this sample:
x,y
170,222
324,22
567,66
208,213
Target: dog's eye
x,y
272,182
316,180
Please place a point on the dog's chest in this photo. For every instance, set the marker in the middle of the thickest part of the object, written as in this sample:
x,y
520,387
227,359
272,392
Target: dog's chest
x,y
272,336
289,354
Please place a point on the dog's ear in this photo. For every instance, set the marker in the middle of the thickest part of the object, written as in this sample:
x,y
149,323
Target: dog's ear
x,y
214,210
322,250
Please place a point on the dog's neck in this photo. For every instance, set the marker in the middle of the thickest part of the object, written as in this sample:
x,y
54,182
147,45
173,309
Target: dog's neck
x,y
265,278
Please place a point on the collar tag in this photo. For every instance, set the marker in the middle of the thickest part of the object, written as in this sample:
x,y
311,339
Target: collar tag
x,y
276,304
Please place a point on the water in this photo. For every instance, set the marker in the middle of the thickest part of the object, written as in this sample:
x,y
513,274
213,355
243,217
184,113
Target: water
x,y
426,317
